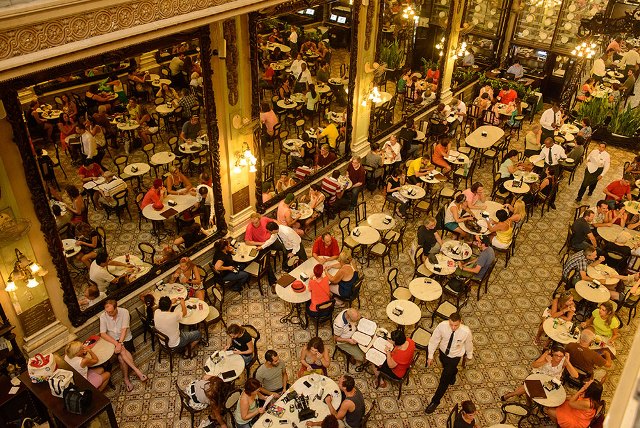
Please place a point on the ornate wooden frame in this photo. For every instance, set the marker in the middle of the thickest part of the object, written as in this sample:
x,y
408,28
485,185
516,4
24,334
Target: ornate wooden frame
x,y
9,95
283,8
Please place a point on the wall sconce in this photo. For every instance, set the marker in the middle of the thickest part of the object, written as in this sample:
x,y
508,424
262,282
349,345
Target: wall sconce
x,y
584,50
374,96
244,158
461,51
409,13
440,46
24,269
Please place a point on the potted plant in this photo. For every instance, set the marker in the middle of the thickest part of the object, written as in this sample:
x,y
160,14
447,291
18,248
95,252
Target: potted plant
x,y
611,123
391,56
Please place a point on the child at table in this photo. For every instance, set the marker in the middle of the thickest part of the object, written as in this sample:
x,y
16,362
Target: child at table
x,y
80,358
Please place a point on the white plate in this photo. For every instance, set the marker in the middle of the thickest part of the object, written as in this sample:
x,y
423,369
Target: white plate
x,y
478,8
568,26
529,18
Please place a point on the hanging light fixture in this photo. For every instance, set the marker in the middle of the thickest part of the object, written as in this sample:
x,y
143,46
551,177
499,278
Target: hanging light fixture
x,y
374,97
584,50
24,270
440,46
410,13
461,51
244,157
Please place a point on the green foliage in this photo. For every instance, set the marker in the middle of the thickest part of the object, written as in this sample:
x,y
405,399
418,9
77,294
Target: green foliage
x,y
462,75
522,90
623,121
268,24
596,110
391,55
428,64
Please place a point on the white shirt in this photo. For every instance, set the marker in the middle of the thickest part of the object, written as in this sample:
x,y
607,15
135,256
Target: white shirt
x,y
89,145
460,108
76,364
111,188
597,159
468,59
208,199
557,153
462,341
293,37
296,66
395,149
632,57
168,322
516,70
548,118
290,239
342,327
305,77
599,69
100,276
113,327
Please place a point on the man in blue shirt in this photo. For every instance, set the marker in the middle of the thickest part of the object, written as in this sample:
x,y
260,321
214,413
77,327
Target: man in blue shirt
x,y
479,266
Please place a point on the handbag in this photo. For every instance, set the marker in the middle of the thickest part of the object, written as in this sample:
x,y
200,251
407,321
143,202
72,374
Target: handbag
x,y
60,381
41,367
77,401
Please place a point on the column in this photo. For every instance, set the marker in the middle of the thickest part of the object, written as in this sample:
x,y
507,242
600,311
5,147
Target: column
x,y
507,36
453,30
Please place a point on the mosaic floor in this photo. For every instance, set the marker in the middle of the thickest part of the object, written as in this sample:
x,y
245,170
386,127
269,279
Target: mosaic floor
x,y
503,322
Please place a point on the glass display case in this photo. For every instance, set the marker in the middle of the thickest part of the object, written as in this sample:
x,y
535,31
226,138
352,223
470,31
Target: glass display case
x,y
572,12
484,16
533,60
484,49
440,12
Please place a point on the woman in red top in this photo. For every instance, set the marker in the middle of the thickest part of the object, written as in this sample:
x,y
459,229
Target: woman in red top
x,y
579,410
440,151
319,288
399,359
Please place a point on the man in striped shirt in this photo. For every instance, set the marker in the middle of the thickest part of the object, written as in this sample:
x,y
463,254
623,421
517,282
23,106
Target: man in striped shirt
x,y
333,188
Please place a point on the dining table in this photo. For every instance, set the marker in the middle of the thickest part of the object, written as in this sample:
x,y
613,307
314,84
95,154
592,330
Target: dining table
x,y
365,235
528,177
244,253
425,289
163,158
159,82
456,250
283,48
137,169
224,364
537,160
553,398
596,293
632,207
484,137
165,109
381,221
603,273
457,158
488,207
139,267
70,248
445,266
197,311
182,203
403,312
611,233
302,212
383,98
191,147
518,189
557,329
287,103
412,191
173,291
104,350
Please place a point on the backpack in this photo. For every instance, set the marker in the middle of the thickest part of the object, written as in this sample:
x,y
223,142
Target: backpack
x,y
76,401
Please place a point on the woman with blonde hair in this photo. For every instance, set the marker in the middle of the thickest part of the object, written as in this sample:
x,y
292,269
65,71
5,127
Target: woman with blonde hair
x,y
177,183
344,279
81,358
189,274
562,306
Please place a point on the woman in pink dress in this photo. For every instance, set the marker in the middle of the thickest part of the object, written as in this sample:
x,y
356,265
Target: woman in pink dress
x,y
579,410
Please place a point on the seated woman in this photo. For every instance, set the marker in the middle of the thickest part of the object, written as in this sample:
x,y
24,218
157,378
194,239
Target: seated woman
x,y
483,102
552,363
77,207
532,143
248,407
240,342
544,189
503,229
403,81
66,126
604,322
314,358
191,235
267,192
562,306
346,276
81,358
475,197
456,213
312,98
579,410
440,152
169,94
319,288
316,203
89,241
509,165
399,357
224,265
177,183
210,392
285,181
395,181
189,275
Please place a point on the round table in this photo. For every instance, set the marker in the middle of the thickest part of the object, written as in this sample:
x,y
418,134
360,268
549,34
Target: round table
x,y
318,385
559,333
425,289
128,126
603,274
285,105
70,244
615,74
520,190
93,183
163,158
141,169
51,114
432,178
283,48
385,97
242,254
164,109
365,235
446,264
569,128
411,313
491,207
610,233
411,191
336,81
479,141
158,82
292,144
183,203
632,207
537,160
460,159
381,221
232,362
194,315
104,351
299,98
554,398
172,291
528,177
599,294
335,117
566,136
140,267
303,212
322,88
456,250
189,148
484,225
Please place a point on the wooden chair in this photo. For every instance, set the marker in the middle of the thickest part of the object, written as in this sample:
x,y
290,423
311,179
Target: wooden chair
x,y
103,235
367,416
121,205
567,241
419,269
520,411
258,269
485,279
361,211
345,231
214,296
451,420
396,238
379,249
510,250
230,404
401,381
355,292
421,337
163,342
396,291
186,403
631,303
147,252
445,307
147,327
323,313
255,335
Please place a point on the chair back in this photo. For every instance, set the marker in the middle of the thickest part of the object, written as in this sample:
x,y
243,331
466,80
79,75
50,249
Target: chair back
x,y
324,311
344,227
231,401
103,235
120,162
598,419
269,172
579,211
184,398
413,363
361,212
392,279
367,415
451,420
163,340
255,335
147,252
417,258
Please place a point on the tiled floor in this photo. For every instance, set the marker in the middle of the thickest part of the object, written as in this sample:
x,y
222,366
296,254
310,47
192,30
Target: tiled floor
x,y
503,322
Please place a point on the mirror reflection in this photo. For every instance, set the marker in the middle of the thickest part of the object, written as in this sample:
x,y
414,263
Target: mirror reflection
x,y
129,138
303,65
407,71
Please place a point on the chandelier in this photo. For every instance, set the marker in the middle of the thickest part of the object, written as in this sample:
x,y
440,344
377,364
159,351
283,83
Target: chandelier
x,y
24,269
243,158
374,96
440,46
410,13
461,51
584,50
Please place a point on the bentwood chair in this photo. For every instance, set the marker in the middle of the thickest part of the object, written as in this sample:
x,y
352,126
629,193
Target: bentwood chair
x,y
186,403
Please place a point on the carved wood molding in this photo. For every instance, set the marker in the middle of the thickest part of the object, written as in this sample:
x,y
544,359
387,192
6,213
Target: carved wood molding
x,y
370,12
231,61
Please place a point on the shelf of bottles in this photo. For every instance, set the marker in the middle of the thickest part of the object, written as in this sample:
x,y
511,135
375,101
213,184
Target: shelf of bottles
x,y
540,19
484,16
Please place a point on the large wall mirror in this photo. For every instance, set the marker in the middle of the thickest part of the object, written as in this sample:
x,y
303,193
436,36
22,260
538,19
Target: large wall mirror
x,y
408,66
303,69
110,133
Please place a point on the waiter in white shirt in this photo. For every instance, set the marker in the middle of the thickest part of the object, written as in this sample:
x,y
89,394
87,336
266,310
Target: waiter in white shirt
x,y
453,340
598,163
630,61
599,68
551,120
293,41
552,153
303,79
289,240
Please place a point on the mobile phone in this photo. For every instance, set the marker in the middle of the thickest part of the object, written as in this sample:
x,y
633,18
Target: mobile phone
x,y
307,384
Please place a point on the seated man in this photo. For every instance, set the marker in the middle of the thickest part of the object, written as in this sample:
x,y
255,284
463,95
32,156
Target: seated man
x,y
326,157
335,191
256,232
579,262
190,129
466,416
582,233
344,325
373,163
168,323
352,409
428,237
408,135
99,274
105,192
293,248
325,248
330,131
187,101
587,359
419,167
272,374
619,190
480,265
204,194
603,216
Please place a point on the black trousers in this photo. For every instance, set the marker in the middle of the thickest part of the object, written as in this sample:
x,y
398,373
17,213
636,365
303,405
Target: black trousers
x,y
448,376
590,180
